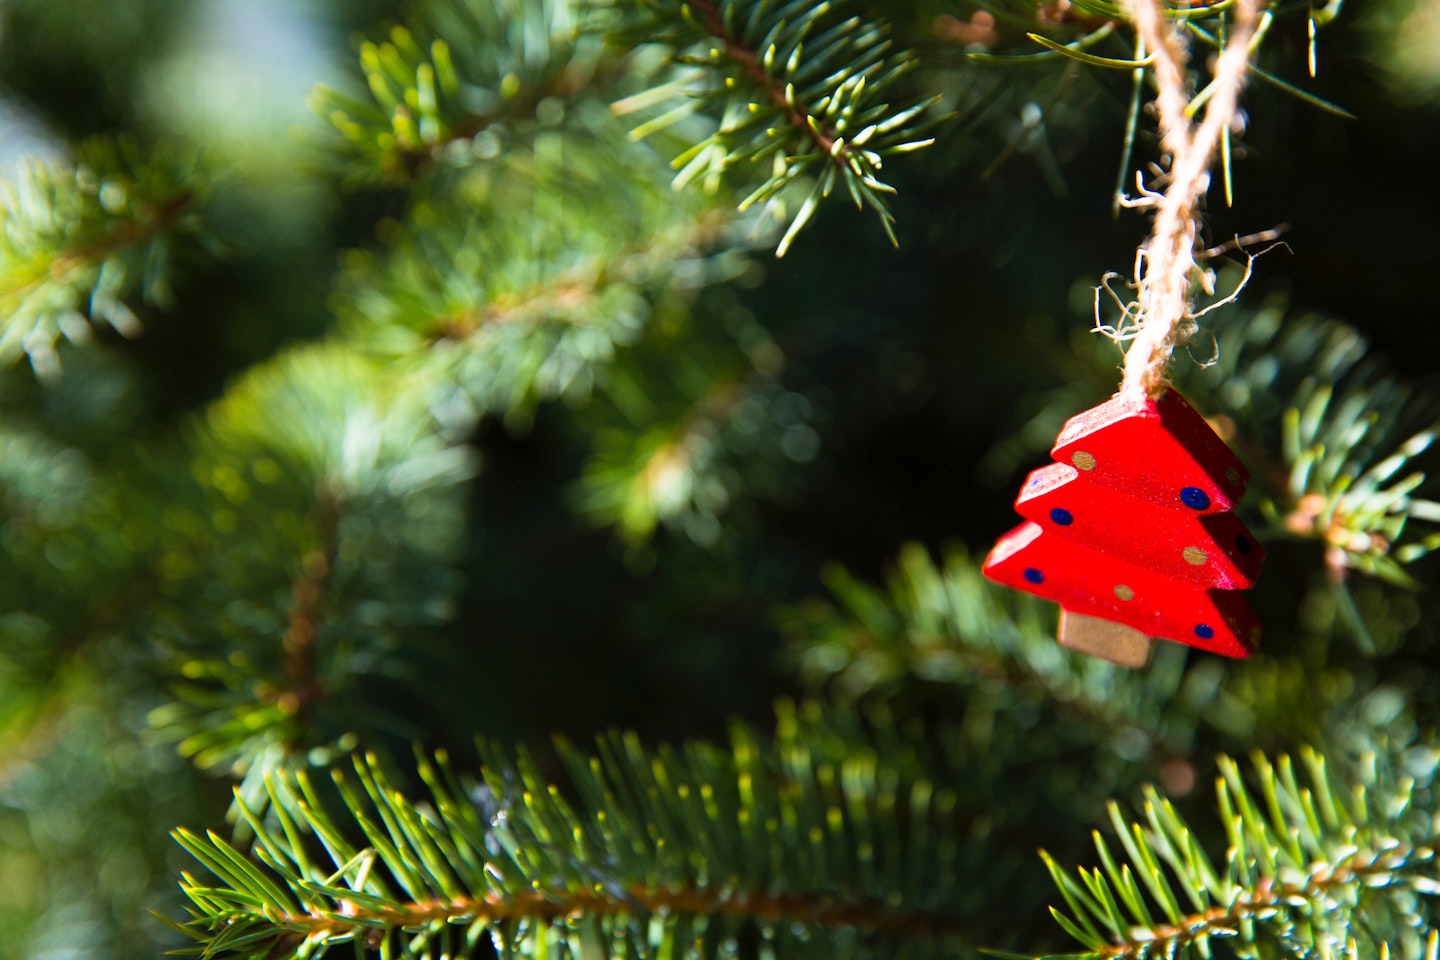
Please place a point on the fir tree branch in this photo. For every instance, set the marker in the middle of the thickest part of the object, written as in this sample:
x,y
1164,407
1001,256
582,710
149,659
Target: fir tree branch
x,y
519,308
799,113
326,523
77,239
151,221
1268,897
934,632
1307,863
672,469
789,86
789,842
1342,449
819,909
454,76
573,295
948,624
563,85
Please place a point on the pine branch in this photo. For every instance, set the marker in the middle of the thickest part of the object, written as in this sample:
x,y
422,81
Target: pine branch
x,y
1312,867
78,241
664,472
949,625
790,85
665,850
683,441
1324,884
459,86
797,112
325,525
1341,447
819,910
940,637
556,259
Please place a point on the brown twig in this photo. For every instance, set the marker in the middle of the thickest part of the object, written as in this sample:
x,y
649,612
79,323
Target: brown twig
x,y
411,159
821,909
307,596
131,233
796,111
1268,895
568,293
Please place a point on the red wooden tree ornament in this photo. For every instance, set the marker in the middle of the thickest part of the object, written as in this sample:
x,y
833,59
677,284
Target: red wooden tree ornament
x,y
1131,532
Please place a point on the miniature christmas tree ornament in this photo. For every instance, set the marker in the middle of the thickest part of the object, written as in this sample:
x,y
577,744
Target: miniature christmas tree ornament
x,y
1132,532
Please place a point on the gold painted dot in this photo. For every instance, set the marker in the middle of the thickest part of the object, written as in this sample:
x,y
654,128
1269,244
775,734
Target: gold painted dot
x,y
1083,460
1233,475
1194,556
1123,592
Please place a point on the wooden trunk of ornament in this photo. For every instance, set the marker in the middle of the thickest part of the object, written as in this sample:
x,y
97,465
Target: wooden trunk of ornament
x,y
1132,532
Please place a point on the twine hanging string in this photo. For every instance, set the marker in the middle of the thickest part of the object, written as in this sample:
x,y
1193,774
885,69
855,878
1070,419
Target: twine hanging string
x,y
1165,261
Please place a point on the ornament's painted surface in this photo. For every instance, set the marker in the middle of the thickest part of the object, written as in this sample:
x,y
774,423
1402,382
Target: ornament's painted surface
x,y
1085,581
1212,550
1134,525
1155,451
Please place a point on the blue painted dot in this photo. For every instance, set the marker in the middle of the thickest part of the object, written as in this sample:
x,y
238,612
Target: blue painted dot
x,y
1195,498
1242,543
1033,575
1062,516
1204,631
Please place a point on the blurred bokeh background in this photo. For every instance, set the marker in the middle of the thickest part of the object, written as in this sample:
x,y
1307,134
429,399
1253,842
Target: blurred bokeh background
x,y
914,388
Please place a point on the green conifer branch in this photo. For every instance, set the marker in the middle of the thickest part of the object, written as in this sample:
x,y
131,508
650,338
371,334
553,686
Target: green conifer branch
x,y
457,84
307,592
78,240
361,923
1342,450
791,85
638,480
643,850
948,624
328,491
933,631
1308,866
575,297
557,257
685,447
937,630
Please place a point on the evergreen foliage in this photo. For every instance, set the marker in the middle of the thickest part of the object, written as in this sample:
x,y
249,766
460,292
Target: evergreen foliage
x,y
680,850
82,239
797,86
481,408
1310,868
322,488
1353,437
457,85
